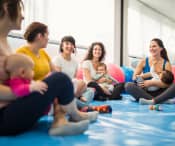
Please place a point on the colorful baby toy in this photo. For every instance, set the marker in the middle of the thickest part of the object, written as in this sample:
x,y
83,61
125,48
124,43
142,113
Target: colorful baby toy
x,y
155,107
100,109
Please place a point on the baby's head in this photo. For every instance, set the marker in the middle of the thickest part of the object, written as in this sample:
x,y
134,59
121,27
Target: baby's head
x,y
102,68
167,77
19,65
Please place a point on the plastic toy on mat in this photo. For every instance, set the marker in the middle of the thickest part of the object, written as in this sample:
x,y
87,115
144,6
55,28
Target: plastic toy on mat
x,y
100,109
155,107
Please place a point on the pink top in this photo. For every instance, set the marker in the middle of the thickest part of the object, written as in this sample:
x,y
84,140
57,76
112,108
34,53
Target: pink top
x,y
19,86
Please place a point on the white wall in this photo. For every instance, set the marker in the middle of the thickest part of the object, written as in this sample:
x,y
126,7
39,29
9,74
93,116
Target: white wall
x,y
51,49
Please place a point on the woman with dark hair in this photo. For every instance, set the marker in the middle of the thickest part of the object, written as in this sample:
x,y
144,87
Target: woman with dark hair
x,y
18,115
159,61
95,56
36,35
66,63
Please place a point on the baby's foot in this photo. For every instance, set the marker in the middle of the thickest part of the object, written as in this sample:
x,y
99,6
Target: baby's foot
x,y
145,101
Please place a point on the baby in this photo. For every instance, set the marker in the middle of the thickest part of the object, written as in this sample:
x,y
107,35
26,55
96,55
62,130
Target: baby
x,y
107,84
165,77
20,70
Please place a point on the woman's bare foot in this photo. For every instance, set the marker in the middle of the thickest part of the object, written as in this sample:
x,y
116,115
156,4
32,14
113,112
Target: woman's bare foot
x,y
62,127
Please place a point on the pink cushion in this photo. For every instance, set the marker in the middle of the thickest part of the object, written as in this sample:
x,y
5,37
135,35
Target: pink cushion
x,y
79,74
173,70
116,72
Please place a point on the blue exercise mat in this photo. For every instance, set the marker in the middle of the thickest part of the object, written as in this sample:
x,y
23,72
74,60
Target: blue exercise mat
x,y
129,124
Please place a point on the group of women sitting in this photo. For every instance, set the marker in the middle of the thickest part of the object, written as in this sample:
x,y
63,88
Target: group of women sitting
x,y
55,82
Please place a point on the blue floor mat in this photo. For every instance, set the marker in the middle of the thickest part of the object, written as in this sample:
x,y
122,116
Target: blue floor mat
x,y
129,124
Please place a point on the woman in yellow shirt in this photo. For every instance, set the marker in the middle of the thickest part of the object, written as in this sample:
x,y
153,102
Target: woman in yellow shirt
x,y
20,115
43,65
37,39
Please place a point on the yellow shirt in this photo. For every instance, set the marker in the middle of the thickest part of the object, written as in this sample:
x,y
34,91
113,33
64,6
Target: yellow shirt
x,y
42,62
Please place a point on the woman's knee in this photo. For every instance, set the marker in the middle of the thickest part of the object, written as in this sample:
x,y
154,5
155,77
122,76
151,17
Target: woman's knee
x,y
59,78
66,93
61,85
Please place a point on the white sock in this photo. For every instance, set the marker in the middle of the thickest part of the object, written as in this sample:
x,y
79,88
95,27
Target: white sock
x,y
145,101
170,101
91,116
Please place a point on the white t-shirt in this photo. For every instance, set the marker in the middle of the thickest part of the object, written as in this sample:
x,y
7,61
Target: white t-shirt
x,y
87,64
68,67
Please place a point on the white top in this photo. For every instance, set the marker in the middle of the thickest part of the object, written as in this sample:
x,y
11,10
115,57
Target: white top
x,y
87,64
68,67
155,76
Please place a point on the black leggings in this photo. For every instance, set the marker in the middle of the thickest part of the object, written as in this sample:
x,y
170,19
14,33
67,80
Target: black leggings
x,y
21,115
118,88
99,91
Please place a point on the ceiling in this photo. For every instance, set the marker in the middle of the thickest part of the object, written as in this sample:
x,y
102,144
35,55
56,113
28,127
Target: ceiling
x,y
165,7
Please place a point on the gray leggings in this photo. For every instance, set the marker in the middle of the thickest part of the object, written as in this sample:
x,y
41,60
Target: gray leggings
x,y
159,96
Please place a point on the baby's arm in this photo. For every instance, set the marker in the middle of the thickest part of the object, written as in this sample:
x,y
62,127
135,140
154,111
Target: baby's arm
x,y
110,79
99,78
157,83
96,77
21,89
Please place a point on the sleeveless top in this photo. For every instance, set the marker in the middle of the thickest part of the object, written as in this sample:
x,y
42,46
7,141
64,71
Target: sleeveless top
x,y
147,67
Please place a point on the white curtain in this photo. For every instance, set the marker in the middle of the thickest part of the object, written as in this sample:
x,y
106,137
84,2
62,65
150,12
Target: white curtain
x,y
143,25
86,20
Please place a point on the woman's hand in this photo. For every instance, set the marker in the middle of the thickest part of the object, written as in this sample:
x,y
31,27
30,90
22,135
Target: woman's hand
x,y
141,84
145,83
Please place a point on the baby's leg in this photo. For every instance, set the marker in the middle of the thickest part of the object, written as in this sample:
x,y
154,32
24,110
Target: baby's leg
x,y
106,91
88,95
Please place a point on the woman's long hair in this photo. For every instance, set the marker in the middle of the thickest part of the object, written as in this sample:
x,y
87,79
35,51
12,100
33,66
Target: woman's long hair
x,y
89,55
163,53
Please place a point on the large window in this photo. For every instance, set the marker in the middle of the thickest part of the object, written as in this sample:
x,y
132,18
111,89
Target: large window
x,y
144,24
86,20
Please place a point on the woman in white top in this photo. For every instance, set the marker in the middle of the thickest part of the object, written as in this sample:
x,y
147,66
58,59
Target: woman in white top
x,y
95,56
66,63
